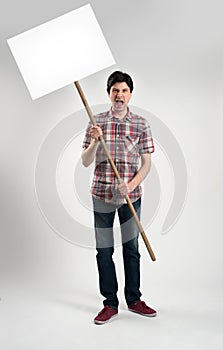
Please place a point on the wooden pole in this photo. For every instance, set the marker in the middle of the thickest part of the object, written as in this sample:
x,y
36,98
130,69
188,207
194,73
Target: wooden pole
x,y
91,116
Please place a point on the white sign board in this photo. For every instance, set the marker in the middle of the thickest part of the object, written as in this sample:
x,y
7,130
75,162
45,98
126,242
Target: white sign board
x,y
61,51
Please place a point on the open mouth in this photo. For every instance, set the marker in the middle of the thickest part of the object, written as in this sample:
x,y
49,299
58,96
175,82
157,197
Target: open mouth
x,y
119,103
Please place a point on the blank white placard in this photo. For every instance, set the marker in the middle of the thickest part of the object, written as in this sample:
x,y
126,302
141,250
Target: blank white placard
x,y
61,51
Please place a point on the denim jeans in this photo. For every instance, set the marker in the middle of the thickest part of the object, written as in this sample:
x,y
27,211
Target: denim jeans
x,y
104,214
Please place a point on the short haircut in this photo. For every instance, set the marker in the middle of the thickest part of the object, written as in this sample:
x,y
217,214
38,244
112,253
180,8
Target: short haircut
x,y
119,77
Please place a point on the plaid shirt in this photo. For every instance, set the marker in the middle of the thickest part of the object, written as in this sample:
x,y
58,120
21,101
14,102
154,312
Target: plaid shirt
x,y
127,140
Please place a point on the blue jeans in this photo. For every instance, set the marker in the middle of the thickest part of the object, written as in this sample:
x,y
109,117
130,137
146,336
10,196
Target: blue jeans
x,y
104,214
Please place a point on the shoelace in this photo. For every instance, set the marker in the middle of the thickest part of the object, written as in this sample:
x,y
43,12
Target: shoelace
x,y
103,311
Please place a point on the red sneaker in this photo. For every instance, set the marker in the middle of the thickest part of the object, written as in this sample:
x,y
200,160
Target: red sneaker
x,y
105,315
141,308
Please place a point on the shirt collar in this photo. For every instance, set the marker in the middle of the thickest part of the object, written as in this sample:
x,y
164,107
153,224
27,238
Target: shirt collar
x,y
127,117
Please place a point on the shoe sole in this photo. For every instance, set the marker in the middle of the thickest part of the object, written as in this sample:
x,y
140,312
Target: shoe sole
x,y
103,322
140,313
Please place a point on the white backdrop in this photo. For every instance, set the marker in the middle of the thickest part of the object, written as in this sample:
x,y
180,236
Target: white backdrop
x,y
48,287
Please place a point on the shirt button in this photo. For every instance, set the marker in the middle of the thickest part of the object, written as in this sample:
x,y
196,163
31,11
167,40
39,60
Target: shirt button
x,y
117,147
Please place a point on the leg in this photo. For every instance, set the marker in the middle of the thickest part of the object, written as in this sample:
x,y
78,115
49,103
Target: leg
x,y
131,254
103,222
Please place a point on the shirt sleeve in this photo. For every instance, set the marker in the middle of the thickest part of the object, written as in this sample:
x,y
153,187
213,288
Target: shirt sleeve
x,y
146,144
87,137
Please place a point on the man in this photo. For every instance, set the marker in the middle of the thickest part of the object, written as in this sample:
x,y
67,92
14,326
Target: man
x,y
128,138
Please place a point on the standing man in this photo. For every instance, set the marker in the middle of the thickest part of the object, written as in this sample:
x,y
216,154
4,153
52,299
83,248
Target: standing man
x,y
128,138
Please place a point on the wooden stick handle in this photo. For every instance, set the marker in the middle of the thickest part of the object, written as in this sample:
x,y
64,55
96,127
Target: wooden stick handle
x,y
91,116
145,239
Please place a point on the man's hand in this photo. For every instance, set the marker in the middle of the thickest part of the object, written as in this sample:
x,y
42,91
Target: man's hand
x,y
124,188
89,153
95,132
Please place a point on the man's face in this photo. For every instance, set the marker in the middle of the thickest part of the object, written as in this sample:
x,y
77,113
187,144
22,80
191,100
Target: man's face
x,y
119,95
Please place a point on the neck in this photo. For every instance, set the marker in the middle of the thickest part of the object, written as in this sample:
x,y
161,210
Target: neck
x,y
120,114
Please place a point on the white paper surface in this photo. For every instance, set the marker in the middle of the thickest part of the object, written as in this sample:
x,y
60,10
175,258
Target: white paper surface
x,y
61,51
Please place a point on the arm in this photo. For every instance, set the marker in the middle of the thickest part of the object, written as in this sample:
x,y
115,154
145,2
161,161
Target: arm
x,y
126,188
89,153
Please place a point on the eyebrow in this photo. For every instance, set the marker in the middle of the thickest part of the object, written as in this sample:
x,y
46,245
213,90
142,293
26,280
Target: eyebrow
x,y
116,89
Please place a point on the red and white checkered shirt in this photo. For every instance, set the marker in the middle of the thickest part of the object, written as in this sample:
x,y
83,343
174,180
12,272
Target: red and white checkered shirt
x,y
127,140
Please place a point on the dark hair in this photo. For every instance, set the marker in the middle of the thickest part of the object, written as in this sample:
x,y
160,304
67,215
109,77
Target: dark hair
x,y
119,77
